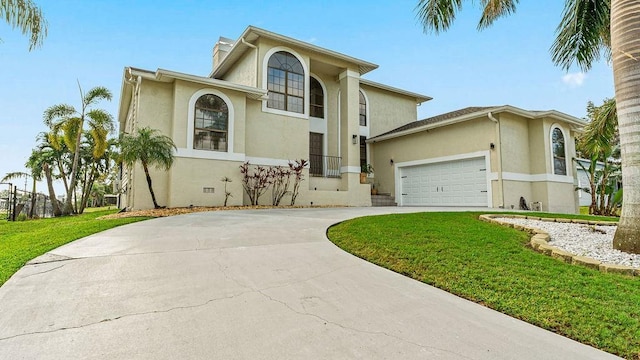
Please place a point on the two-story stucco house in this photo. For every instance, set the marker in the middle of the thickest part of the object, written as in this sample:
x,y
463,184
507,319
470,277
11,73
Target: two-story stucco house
x,y
270,99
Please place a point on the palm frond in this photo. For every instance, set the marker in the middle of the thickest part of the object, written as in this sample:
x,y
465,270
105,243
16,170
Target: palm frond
x,y
14,175
96,94
27,17
437,15
495,9
58,112
583,34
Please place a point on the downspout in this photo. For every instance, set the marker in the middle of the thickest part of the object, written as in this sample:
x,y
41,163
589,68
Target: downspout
x,y
256,49
499,140
135,103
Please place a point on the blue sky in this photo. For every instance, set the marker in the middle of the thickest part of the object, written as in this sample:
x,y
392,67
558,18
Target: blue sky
x,y
91,42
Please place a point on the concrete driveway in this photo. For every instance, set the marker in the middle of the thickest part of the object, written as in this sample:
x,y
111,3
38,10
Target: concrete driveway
x,y
262,284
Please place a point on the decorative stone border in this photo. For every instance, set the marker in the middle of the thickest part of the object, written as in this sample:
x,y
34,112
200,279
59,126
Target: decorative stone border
x,y
540,242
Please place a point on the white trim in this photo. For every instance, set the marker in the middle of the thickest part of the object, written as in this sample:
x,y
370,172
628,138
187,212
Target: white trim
x,y
566,154
533,177
191,117
364,130
267,161
350,169
208,155
265,65
478,154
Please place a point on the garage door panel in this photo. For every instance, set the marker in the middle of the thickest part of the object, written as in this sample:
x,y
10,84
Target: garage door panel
x,y
452,183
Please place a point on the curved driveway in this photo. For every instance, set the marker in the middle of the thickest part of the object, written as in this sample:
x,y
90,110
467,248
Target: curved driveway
x,y
262,284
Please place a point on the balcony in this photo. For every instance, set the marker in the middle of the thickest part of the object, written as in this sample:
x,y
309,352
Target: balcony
x,y
324,166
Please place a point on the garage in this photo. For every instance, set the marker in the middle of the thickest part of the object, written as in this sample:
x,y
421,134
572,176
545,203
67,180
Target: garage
x,y
448,183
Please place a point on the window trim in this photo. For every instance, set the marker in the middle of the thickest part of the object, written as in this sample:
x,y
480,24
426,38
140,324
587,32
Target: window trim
x,y
324,96
566,150
265,73
366,108
191,120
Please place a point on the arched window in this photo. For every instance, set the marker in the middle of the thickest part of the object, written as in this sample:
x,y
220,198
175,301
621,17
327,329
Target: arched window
x,y
285,82
316,99
559,153
211,123
363,110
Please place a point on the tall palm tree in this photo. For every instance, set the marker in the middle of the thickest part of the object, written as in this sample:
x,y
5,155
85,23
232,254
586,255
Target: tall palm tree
x,y
588,29
26,16
66,120
150,148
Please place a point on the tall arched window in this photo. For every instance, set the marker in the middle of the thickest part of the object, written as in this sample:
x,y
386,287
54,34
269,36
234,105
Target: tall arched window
x,y
211,123
316,99
285,82
558,150
363,110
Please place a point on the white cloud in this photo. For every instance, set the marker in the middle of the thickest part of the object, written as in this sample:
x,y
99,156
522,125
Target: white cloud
x,y
574,79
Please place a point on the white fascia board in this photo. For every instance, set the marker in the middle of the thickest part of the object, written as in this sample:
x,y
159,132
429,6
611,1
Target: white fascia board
x,y
251,92
418,129
419,97
125,98
364,66
541,114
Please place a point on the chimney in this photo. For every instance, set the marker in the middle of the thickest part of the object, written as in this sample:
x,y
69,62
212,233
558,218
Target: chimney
x,y
220,50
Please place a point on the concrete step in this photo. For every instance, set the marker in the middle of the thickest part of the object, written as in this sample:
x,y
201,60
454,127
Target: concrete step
x,y
383,200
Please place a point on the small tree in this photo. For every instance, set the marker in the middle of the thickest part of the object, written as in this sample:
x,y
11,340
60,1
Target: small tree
x,y
281,178
148,147
255,181
297,166
227,194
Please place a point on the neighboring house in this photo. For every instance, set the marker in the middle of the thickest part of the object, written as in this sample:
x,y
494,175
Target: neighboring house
x,y
584,198
270,99
481,156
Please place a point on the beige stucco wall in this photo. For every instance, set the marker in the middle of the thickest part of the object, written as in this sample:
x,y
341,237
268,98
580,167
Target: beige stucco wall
x,y
388,110
243,71
467,137
189,176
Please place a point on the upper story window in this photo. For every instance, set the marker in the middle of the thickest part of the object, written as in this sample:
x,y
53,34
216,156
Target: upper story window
x,y
363,110
211,123
316,98
558,150
285,82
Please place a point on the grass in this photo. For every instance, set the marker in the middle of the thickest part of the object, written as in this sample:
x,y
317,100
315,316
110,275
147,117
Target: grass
x,y
22,241
491,265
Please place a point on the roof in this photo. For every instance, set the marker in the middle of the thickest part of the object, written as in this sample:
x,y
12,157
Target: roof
x,y
163,75
470,113
252,33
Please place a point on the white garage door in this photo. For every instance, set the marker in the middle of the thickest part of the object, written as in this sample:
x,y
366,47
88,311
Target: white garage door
x,y
450,183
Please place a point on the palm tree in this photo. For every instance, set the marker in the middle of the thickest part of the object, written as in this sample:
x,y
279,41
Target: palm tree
x,y
587,29
66,120
26,16
149,147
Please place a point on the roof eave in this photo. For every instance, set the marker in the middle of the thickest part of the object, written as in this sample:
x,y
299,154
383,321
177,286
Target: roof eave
x,y
363,66
419,97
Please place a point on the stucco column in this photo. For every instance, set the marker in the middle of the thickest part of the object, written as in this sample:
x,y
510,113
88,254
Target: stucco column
x,y
350,127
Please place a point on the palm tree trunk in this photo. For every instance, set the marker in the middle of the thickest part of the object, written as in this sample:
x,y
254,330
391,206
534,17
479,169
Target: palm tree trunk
x,y
33,199
52,193
153,195
69,208
625,48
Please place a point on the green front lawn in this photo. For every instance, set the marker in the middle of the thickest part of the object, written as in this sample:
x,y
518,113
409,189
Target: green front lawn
x,y
491,265
22,241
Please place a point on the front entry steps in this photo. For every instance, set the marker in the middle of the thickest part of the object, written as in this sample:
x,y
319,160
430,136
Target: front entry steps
x,y
383,200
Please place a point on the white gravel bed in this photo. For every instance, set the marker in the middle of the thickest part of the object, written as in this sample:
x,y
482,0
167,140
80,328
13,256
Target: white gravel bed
x,y
582,240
